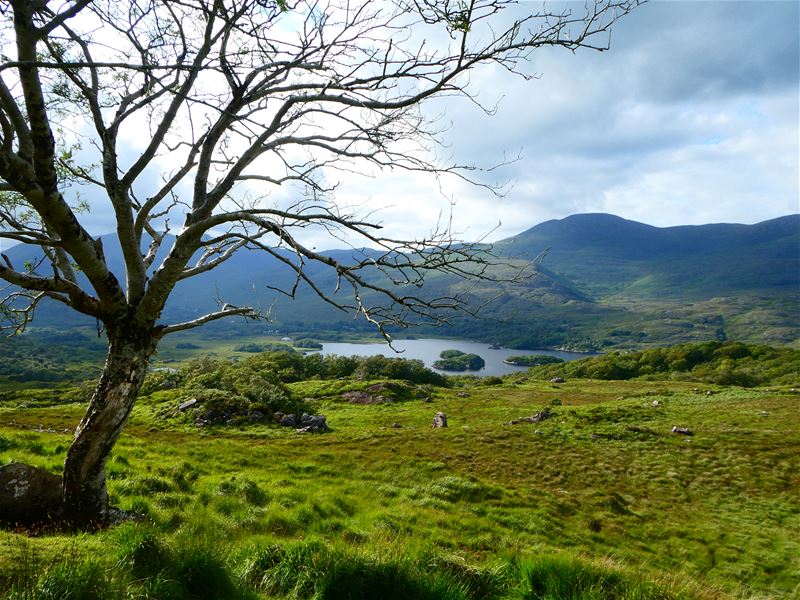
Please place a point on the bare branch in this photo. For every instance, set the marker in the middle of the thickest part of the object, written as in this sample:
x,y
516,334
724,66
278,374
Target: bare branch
x,y
248,313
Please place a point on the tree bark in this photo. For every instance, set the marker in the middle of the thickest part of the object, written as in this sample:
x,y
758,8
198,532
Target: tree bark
x,y
85,499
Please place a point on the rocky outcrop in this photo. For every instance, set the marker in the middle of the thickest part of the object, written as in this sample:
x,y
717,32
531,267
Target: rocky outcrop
x,y
28,495
312,424
305,424
537,418
358,397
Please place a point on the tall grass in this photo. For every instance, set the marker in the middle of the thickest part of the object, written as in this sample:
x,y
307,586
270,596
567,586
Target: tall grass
x,y
568,578
314,570
146,564
67,577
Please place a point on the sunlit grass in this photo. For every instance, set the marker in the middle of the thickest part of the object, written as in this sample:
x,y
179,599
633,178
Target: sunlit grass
x,y
602,496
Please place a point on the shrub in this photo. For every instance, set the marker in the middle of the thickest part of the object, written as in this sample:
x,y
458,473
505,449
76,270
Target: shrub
x,y
722,363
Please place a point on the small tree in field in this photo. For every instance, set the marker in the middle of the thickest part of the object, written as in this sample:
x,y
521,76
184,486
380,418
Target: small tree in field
x,y
230,93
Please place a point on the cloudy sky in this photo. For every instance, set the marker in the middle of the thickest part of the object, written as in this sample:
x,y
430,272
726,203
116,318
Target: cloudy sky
x,y
691,117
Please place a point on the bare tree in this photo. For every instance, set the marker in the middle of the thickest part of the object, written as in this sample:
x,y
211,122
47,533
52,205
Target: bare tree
x,y
233,94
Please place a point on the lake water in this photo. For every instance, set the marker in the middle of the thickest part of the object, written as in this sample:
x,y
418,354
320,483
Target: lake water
x,y
428,350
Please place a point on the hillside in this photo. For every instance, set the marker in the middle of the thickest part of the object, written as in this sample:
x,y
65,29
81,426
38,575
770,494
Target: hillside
x,y
536,490
605,255
605,282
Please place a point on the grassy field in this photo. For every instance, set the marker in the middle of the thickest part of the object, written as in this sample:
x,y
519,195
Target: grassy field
x,y
602,495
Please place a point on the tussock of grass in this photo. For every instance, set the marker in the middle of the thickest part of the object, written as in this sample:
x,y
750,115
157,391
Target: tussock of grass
x,y
456,489
187,568
315,571
560,578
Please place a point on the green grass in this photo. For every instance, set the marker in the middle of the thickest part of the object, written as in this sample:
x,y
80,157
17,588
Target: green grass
x,y
600,501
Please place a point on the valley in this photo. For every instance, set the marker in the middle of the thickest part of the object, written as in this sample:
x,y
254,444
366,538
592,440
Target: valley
x,y
603,283
545,484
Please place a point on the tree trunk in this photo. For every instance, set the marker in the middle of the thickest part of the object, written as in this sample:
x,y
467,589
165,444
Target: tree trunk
x,y
84,486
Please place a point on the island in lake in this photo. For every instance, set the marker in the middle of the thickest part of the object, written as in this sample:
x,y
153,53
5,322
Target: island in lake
x,y
456,360
532,360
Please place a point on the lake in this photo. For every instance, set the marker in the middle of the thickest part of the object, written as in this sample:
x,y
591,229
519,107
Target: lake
x,y
427,350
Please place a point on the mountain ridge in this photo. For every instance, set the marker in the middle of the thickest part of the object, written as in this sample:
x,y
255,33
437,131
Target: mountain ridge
x,y
604,281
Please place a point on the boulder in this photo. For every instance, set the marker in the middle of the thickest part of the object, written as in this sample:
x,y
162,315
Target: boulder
x,y
682,430
288,420
558,380
256,416
439,420
28,495
312,424
538,417
187,405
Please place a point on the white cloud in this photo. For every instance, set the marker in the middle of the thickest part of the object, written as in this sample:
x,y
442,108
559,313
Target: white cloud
x,y
691,117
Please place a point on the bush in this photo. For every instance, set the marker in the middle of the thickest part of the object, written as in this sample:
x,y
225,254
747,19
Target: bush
x,y
722,363
413,371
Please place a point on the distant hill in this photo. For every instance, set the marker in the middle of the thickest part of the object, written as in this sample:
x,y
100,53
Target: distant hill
x,y
604,282
605,255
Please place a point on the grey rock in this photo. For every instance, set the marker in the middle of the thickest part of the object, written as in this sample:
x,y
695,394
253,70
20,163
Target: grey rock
x,y
256,416
318,421
558,380
542,415
356,397
682,430
187,405
462,395
289,420
28,495
439,420
396,425
312,424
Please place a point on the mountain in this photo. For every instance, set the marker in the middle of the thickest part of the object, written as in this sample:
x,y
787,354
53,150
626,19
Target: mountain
x,y
603,282
606,255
